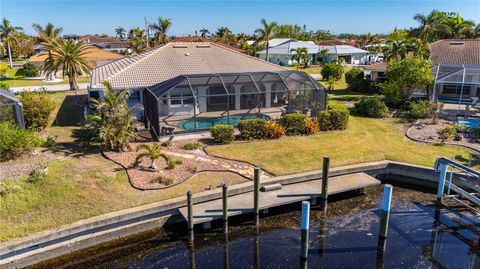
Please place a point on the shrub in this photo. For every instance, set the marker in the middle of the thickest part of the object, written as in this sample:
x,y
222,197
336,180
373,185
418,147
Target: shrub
x,y
37,108
30,70
333,118
313,126
253,129
356,81
461,128
295,124
222,133
475,131
334,70
166,144
171,164
447,133
192,145
274,130
51,142
419,109
371,106
394,98
15,141
8,187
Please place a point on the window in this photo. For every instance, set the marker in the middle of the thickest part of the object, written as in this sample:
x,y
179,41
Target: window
x,y
134,96
181,96
456,89
94,95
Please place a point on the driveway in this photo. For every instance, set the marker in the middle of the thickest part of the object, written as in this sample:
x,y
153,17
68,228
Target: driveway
x,y
49,88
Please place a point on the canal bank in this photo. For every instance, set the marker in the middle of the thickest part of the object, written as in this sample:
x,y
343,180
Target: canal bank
x,y
112,226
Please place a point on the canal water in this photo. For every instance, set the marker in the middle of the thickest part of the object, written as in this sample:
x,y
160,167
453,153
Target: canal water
x,y
420,235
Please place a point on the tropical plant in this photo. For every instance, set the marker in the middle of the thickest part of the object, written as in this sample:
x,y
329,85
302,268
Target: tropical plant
x,y
120,32
204,32
301,55
324,52
70,56
30,70
47,33
160,29
16,141
224,35
265,33
274,130
333,70
136,40
152,152
117,125
7,35
37,108
222,133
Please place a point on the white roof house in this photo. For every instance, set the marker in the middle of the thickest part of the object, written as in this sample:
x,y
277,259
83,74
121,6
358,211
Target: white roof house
x,y
343,50
287,47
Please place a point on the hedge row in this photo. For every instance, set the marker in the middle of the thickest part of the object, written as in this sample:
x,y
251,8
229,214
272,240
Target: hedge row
x,y
333,118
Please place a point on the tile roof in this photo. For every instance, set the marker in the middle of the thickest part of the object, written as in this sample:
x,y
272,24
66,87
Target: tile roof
x,y
450,51
175,59
93,54
378,66
197,39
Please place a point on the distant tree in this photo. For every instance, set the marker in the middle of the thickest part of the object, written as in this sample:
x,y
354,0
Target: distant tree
x,y
396,50
47,33
224,35
70,56
7,35
418,49
301,55
476,31
324,52
204,32
399,50
120,33
23,45
397,35
457,27
160,28
265,33
428,25
136,40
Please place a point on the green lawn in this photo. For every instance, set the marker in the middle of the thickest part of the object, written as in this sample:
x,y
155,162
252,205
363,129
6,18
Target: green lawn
x,y
16,78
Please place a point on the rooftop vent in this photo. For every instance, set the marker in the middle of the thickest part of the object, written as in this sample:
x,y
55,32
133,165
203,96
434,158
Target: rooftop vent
x,y
203,46
180,46
457,43
187,54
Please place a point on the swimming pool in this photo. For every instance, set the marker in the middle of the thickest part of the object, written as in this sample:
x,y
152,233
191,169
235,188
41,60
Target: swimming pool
x,y
206,123
470,123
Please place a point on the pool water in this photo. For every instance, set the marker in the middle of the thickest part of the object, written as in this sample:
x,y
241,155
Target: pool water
x,y
347,238
206,123
470,123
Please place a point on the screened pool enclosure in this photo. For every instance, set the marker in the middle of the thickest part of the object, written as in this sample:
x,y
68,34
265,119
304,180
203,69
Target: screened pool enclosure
x,y
11,108
456,84
196,102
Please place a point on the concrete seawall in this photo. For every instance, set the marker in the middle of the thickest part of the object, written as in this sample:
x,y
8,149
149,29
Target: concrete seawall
x,y
86,233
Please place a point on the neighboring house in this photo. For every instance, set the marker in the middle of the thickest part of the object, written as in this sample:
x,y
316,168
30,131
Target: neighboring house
x,y
455,68
282,54
186,86
72,37
106,43
336,42
95,56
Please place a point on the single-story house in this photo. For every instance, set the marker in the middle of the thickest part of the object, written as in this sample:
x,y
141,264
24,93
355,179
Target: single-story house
x,y
336,42
376,71
282,54
95,56
106,43
188,86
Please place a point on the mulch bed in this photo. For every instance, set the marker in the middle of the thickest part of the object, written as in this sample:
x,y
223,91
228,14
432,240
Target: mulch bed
x,y
424,130
26,164
192,162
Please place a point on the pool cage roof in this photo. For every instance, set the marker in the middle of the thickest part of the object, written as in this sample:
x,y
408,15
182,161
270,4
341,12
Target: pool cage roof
x,y
254,82
456,74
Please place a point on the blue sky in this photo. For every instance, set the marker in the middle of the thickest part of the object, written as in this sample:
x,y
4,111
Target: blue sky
x,y
360,16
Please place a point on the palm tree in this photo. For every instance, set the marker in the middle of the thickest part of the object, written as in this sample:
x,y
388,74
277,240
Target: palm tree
x,y
301,54
476,31
136,40
120,32
457,27
161,28
70,56
324,52
396,50
418,48
7,34
153,152
428,25
265,33
224,34
117,124
48,32
204,32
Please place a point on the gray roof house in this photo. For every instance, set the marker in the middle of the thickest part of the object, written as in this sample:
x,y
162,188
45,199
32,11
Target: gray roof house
x,y
282,53
184,87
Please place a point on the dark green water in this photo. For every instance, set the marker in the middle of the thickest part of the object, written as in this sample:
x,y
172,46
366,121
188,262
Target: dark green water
x,y
346,238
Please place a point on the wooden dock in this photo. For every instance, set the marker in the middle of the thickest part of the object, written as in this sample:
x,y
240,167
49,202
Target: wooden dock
x,y
243,203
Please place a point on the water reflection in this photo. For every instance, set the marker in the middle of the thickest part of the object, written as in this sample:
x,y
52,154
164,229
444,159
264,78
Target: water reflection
x,y
421,235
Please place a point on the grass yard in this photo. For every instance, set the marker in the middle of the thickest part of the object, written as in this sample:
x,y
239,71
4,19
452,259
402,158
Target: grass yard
x,y
16,78
365,140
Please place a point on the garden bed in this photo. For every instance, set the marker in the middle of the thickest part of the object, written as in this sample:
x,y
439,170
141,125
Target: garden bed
x,y
425,131
192,162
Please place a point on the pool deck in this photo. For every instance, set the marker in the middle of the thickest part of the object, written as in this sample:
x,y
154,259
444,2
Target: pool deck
x,y
243,203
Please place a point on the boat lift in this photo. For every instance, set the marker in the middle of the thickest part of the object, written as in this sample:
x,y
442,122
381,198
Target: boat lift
x,y
468,178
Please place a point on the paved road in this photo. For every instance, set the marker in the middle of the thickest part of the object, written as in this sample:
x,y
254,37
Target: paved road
x,y
49,88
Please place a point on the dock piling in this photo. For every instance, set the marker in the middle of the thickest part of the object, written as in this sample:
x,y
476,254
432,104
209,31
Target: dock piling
x,y
256,196
225,207
190,216
324,194
386,204
305,225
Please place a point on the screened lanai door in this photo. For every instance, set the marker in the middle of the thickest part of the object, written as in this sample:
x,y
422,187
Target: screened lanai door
x,y
197,102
